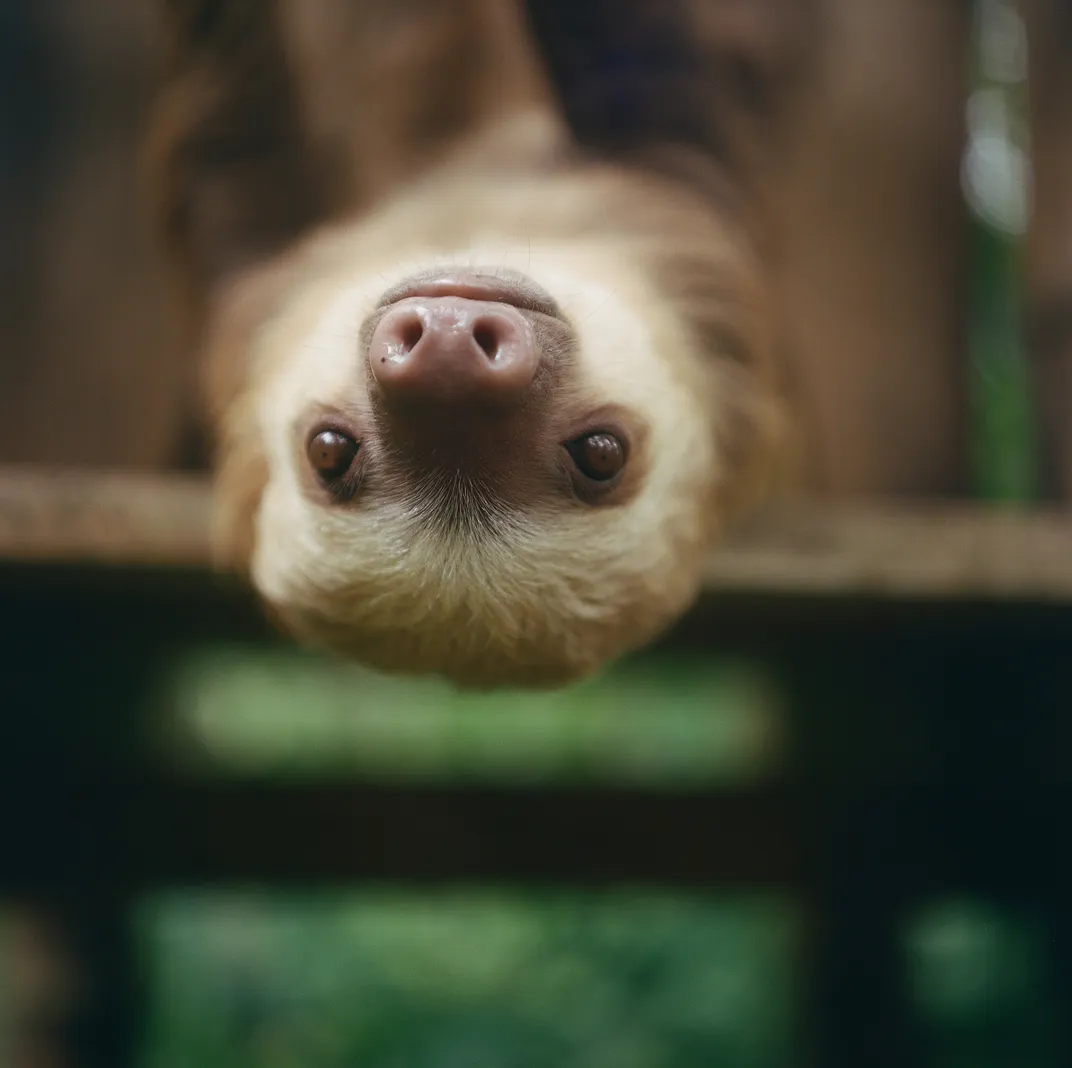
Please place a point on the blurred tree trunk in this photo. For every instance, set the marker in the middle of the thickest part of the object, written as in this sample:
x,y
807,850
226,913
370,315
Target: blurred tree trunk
x,y
871,247
92,366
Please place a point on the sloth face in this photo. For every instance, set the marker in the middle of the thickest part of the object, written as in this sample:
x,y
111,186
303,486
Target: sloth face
x,y
493,451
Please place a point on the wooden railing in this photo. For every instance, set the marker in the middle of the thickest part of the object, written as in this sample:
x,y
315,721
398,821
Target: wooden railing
x,y
925,655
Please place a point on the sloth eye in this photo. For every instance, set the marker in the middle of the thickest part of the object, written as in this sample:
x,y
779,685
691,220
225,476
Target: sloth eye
x,y
331,453
598,456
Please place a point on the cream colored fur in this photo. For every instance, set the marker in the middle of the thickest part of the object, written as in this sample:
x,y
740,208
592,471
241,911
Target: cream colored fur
x,y
561,588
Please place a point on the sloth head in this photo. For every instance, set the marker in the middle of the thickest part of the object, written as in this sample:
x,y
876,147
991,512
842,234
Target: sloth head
x,y
490,431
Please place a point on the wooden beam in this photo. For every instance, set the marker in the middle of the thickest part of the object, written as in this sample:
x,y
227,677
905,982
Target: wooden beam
x,y
152,832
925,551
914,552
104,517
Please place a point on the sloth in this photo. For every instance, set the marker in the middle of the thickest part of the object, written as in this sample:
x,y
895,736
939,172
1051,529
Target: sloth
x,y
481,411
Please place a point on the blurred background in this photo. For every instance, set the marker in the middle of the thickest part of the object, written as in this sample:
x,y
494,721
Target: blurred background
x,y
92,373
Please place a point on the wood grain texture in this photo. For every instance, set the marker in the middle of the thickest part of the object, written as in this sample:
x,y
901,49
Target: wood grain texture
x,y
924,551
115,518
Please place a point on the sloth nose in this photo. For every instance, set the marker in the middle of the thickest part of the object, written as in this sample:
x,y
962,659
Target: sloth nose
x,y
453,350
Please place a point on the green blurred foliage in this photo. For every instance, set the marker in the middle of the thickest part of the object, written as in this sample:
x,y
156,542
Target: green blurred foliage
x,y
978,977
997,187
659,720
1003,429
399,980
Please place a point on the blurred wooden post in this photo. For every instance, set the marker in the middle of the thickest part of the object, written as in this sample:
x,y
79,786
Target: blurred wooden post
x,y
856,743
75,674
871,247
75,996
859,1012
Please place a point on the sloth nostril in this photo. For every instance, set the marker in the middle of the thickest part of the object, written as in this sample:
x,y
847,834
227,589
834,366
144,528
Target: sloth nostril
x,y
411,333
488,338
